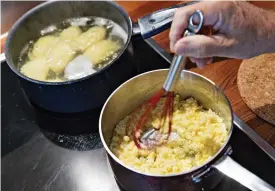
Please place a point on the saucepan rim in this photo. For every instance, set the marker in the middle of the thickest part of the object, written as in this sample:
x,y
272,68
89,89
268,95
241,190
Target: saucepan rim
x,y
106,147
37,8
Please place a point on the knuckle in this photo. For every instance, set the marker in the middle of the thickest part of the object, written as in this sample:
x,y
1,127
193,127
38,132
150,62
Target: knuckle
x,y
178,13
182,14
183,48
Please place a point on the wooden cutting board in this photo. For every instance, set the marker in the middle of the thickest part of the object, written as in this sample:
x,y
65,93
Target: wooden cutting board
x,y
256,83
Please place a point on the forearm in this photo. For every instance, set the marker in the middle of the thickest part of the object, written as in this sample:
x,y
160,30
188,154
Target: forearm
x,y
268,39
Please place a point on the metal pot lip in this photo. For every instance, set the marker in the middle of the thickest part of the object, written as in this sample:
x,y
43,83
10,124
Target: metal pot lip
x,y
207,163
48,3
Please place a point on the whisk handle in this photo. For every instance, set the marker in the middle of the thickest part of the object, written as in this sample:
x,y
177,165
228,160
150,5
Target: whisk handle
x,y
179,62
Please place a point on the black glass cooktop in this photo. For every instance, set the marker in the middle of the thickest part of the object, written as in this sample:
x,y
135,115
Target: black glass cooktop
x,y
55,152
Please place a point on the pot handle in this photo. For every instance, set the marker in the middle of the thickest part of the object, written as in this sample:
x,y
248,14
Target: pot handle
x,y
234,170
268,149
156,22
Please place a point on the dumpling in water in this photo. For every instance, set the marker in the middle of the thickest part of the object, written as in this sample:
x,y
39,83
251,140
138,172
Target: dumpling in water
x,y
79,67
60,56
101,51
70,33
42,47
89,37
36,69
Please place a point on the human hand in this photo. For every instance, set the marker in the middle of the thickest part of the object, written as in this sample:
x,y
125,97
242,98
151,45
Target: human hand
x,y
242,31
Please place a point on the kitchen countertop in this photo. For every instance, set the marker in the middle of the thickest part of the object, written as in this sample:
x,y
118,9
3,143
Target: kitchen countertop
x,y
222,72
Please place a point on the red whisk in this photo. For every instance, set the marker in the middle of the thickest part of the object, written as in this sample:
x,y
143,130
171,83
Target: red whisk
x,y
153,137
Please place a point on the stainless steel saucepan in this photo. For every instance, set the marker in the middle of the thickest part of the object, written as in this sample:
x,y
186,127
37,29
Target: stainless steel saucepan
x,y
134,92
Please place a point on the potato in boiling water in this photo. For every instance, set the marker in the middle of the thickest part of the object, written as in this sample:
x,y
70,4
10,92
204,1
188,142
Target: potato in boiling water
x,y
101,50
60,56
70,33
89,37
63,49
36,69
43,46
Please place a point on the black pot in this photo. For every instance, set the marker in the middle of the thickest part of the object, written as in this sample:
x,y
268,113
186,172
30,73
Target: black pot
x,y
91,91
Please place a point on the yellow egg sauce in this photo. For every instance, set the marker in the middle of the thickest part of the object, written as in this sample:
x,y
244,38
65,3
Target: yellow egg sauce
x,y
201,133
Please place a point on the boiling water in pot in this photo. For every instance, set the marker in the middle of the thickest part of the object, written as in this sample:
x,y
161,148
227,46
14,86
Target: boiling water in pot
x,y
72,49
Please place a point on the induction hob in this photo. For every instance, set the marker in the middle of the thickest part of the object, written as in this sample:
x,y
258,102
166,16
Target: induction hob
x,y
56,152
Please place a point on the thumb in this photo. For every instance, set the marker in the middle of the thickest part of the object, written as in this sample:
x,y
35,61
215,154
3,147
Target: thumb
x,y
201,46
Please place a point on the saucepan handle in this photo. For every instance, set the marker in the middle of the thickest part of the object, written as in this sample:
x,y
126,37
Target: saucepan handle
x,y
235,171
156,22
